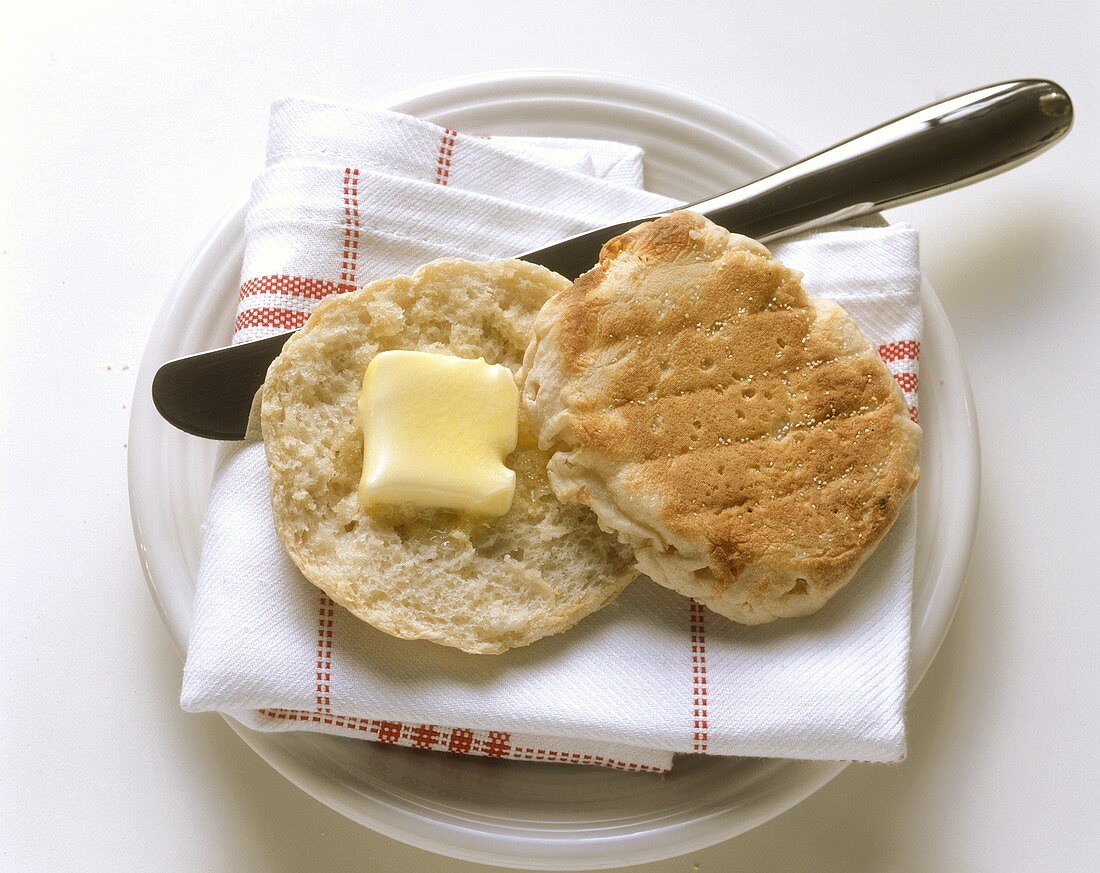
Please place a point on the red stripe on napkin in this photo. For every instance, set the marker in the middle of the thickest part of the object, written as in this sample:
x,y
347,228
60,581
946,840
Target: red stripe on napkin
x,y
699,677
446,154
325,622
463,741
292,286
900,351
283,317
907,381
351,226
904,350
270,316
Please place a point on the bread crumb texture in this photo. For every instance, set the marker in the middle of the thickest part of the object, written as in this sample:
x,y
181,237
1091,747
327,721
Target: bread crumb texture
x,y
745,439
479,585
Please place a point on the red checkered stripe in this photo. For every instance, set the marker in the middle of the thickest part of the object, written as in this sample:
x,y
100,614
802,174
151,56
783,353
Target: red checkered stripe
x,y
445,156
351,226
282,303
902,358
525,753
489,744
492,744
700,718
326,617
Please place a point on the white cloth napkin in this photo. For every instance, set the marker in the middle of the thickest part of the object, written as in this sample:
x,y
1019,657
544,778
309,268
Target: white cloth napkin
x,y
350,195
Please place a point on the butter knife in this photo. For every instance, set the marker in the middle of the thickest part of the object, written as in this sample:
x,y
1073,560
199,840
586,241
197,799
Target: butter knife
x,y
938,148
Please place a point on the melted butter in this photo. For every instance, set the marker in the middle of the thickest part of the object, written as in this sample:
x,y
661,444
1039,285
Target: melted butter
x,y
436,431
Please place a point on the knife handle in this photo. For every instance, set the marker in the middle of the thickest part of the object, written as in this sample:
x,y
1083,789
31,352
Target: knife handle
x,y
941,147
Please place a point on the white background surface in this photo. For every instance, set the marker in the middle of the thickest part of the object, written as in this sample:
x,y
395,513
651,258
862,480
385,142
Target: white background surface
x,y
128,128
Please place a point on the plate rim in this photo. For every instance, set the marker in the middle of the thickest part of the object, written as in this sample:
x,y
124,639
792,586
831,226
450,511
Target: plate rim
x,y
431,833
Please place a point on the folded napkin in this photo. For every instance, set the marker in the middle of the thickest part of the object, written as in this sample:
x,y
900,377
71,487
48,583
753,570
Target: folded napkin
x,y
350,195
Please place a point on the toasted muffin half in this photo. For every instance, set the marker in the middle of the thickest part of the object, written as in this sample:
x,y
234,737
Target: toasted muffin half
x,y
744,439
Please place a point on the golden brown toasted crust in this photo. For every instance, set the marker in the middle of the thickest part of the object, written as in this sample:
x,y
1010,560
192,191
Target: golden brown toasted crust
x,y
480,585
746,440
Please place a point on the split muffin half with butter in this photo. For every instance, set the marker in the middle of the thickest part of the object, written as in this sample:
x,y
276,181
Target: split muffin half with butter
x,y
406,479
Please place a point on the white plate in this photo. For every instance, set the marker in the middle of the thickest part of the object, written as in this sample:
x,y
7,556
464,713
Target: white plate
x,y
542,816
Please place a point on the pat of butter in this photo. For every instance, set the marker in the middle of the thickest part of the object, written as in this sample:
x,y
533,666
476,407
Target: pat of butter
x,y
436,431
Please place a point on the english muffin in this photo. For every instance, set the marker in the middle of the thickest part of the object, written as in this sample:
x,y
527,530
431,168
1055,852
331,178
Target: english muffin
x,y
745,440
480,585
